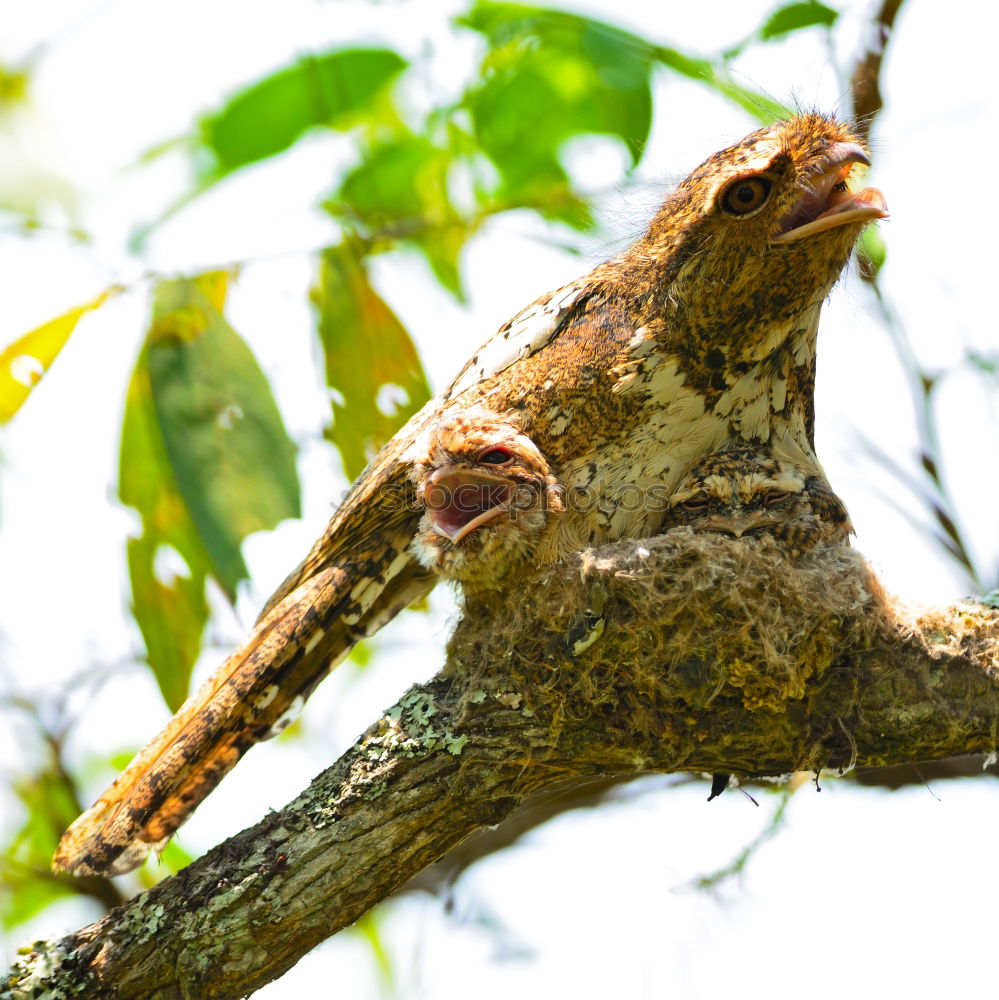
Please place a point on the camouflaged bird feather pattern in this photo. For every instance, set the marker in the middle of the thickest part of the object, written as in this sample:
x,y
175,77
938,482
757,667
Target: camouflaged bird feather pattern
x,y
489,497
746,492
699,337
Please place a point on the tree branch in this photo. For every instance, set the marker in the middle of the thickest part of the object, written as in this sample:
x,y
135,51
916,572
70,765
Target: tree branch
x,y
865,81
680,653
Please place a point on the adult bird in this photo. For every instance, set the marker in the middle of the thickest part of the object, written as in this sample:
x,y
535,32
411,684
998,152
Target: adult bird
x,y
700,336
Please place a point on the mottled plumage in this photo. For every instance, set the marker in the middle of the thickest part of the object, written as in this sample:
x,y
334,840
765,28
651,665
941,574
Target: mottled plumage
x,y
750,492
746,492
700,336
489,498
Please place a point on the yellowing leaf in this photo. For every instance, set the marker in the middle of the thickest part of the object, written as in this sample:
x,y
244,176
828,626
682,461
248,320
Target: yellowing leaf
x,y
230,456
170,609
23,363
205,460
371,362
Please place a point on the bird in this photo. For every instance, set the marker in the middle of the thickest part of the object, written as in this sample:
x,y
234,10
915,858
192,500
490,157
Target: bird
x,y
700,335
749,492
746,491
489,498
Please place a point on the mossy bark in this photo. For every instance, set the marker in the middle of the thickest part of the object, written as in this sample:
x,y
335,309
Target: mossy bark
x,y
681,653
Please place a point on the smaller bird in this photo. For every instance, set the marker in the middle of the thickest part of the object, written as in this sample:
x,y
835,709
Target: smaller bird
x,y
748,491
489,496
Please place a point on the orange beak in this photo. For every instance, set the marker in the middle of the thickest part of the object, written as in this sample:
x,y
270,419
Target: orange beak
x,y
822,207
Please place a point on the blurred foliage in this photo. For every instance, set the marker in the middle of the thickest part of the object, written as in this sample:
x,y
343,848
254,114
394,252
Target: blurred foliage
x,y
15,85
548,76
48,802
785,20
25,362
333,90
205,459
376,381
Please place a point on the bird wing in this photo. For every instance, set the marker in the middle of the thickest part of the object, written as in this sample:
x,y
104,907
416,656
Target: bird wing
x,y
386,477
357,577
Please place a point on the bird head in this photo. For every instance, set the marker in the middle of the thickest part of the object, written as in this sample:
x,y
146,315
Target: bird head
x,y
488,495
741,492
759,233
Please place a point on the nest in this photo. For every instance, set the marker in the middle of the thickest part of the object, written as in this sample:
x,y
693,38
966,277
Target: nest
x,y
635,629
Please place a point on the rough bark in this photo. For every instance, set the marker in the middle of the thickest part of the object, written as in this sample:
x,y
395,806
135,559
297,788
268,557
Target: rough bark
x,y
682,653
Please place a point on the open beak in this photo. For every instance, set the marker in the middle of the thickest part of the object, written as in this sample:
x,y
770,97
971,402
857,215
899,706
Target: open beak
x,y
823,207
460,500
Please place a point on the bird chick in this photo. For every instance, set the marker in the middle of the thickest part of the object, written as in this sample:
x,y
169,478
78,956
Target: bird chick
x,y
488,496
747,491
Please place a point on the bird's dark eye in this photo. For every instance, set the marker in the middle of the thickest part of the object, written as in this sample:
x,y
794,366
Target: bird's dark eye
x,y
841,186
694,503
746,195
776,497
496,456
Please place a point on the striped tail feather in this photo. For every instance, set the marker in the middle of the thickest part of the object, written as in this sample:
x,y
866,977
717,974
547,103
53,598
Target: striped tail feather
x,y
257,691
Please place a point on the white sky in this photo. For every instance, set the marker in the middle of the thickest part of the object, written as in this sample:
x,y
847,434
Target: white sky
x,y
854,893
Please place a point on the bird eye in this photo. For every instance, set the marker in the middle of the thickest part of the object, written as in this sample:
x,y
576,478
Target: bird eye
x,y
776,497
496,456
746,195
695,503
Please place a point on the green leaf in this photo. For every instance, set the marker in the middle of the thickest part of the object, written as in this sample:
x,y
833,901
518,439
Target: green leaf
x,y
371,927
205,460
872,253
549,76
169,608
231,458
795,16
400,192
14,87
396,180
371,362
171,612
322,90
23,363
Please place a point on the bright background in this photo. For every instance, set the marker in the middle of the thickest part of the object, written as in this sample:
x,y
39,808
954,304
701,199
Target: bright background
x,y
861,889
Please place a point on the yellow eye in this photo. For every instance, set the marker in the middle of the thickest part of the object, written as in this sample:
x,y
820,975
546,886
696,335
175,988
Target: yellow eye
x,y
746,195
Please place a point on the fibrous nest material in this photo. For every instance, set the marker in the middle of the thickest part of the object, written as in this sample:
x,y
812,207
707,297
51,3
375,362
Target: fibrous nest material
x,y
638,627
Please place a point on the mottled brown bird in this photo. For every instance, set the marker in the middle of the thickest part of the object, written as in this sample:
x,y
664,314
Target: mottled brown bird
x,y
700,336
488,494
748,491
